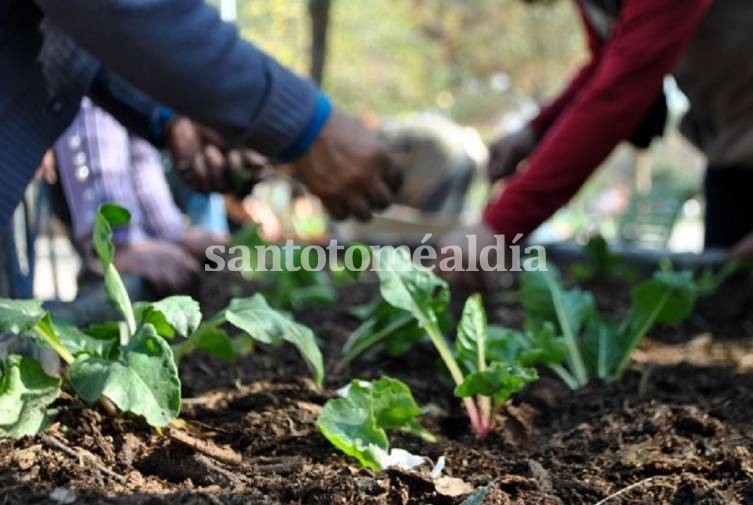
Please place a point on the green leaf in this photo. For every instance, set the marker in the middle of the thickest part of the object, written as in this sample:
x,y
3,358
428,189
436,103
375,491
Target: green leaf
x,y
25,393
536,299
105,331
471,343
499,381
393,401
668,298
414,290
45,332
322,293
386,327
175,314
423,295
248,236
504,344
350,425
143,381
604,347
396,409
211,340
269,326
544,347
542,293
544,296
357,424
109,215
18,316
77,342
361,255
366,310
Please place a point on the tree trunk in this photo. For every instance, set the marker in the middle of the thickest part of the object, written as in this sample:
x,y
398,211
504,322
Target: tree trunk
x,y
319,11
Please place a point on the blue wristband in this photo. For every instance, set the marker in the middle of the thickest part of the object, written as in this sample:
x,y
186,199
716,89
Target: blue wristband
x,y
160,118
322,112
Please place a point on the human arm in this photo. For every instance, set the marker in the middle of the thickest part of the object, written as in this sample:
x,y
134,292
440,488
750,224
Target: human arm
x,y
549,113
181,53
648,39
507,152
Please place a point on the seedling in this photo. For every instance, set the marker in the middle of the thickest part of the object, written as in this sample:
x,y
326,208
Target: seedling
x,y
290,287
602,263
130,362
357,423
596,345
482,384
384,327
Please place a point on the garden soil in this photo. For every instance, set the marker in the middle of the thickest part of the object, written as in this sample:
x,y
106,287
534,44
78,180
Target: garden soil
x,y
677,429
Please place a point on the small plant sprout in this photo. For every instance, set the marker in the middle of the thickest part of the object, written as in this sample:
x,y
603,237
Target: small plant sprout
x,y
357,423
129,362
287,284
481,383
565,331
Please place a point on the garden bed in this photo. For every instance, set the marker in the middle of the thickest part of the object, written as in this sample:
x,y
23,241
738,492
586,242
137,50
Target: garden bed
x,y
678,424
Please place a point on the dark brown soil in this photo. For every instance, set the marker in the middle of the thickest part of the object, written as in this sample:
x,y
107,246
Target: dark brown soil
x,y
679,427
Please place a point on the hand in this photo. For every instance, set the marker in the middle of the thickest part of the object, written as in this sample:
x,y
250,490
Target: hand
x,y
506,153
196,240
348,169
485,237
743,249
163,264
46,170
200,156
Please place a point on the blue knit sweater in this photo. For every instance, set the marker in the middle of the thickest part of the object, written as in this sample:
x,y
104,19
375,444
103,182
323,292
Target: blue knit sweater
x,y
173,52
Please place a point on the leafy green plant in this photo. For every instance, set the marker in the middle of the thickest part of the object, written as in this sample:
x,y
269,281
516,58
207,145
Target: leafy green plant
x,y
601,262
480,383
598,345
358,423
129,363
292,286
258,322
386,328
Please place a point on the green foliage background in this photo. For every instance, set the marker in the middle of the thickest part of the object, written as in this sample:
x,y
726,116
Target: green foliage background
x,y
397,56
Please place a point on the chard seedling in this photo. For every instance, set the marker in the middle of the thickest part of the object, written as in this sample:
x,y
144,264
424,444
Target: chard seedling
x,y
601,262
257,322
291,286
598,345
130,362
358,423
480,383
384,327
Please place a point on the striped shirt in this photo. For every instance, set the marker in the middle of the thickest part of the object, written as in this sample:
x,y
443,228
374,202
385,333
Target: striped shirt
x,y
99,161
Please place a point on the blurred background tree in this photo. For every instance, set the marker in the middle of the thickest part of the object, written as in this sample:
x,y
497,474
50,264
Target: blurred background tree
x,y
476,60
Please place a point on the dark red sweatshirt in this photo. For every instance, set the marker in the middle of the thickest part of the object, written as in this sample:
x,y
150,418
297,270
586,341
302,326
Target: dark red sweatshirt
x,y
603,105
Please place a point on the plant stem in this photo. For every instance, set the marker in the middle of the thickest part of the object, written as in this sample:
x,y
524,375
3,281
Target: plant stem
x,y
52,340
359,348
573,351
115,288
566,377
457,375
636,337
484,402
186,347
